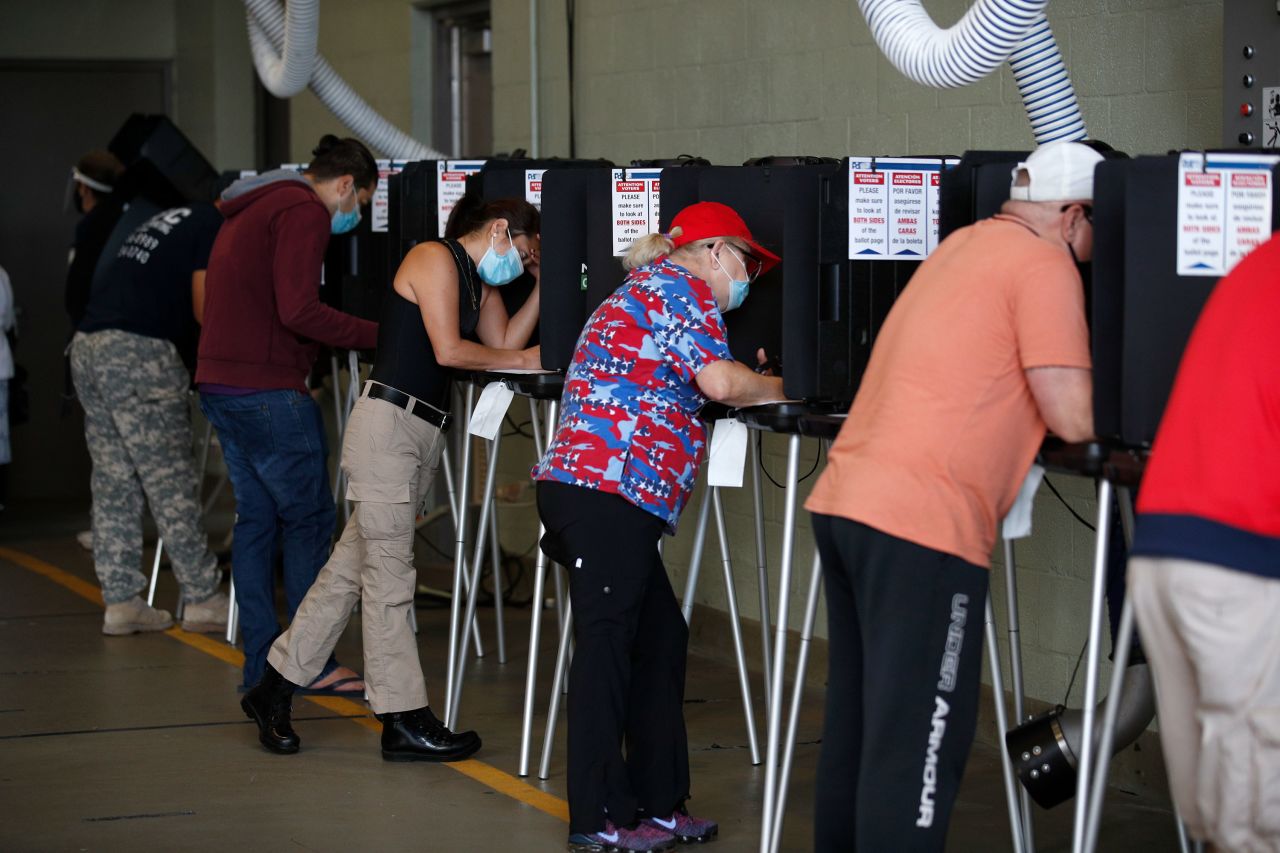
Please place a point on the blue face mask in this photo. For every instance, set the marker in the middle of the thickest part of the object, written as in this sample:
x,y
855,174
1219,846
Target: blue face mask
x,y
738,288
498,270
345,220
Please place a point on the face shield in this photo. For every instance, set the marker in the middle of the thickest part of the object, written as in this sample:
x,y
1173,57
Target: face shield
x,y
72,197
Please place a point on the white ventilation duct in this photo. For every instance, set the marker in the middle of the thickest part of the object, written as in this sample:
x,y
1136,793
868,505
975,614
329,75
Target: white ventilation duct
x,y
334,93
990,33
285,72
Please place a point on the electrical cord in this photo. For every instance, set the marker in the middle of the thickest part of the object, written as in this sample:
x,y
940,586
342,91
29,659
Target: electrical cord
x,y
760,460
1077,515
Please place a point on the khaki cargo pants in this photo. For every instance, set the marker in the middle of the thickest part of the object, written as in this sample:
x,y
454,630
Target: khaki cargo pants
x,y
1211,636
390,457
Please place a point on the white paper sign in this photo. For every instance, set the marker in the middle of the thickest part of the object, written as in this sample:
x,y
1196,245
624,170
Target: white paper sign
x,y
451,185
1017,524
728,455
380,206
533,187
490,409
635,206
894,207
1224,210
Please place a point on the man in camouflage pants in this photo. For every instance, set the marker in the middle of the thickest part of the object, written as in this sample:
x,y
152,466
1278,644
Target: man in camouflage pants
x,y
129,373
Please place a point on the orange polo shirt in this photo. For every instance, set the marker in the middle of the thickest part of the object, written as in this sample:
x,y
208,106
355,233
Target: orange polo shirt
x,y
944,426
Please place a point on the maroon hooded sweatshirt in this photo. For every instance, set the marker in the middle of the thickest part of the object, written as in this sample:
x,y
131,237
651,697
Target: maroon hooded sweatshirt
x,y
263,318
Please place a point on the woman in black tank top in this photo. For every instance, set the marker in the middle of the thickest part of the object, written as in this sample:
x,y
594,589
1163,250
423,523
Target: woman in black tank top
x,y
443,313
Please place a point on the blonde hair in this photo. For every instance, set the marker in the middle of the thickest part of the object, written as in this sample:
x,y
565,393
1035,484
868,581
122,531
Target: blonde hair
x,y
651,247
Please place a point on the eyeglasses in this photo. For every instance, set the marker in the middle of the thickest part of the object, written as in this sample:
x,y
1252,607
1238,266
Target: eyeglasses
x,y
752,265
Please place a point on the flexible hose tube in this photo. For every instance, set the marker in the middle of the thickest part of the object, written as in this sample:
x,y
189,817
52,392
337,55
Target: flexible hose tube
x,y
352,110
284,73
990,33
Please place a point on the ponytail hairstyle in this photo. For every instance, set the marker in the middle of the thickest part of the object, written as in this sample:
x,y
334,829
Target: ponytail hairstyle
x,y
335,157
472,213
651,247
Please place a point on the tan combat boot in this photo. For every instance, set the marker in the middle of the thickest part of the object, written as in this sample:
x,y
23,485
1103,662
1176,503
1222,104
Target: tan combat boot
x,y
133,617
207,617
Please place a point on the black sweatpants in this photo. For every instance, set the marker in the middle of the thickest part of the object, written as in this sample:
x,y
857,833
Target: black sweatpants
x,y
627,678
905,625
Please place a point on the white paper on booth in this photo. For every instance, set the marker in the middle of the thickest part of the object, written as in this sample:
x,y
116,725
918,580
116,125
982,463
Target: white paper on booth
x,y
1201,218
451,185
1017,524
380,205
868,211
728,455
533,187
1247,185
490,409
630,210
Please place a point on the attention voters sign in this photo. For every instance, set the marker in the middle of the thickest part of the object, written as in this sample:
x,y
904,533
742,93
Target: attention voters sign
x,y
894,207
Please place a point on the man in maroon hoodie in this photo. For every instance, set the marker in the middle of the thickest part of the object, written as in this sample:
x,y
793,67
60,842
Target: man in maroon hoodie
x,y
263,324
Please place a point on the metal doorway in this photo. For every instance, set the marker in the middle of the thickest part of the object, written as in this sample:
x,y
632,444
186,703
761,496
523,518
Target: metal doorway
x,y
463,80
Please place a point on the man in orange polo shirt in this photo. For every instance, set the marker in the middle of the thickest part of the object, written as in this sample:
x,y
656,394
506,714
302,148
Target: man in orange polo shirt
x,y
985,348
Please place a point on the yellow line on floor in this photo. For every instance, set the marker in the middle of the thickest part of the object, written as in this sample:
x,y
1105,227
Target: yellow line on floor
x,y
485,774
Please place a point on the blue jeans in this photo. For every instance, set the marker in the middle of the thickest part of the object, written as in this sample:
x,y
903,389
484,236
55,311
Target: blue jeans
x,y
274,446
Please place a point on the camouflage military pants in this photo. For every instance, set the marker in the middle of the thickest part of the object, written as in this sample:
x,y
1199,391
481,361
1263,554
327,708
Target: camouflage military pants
x,y
138,428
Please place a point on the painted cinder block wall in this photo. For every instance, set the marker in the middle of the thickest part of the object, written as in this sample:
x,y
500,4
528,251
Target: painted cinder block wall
x,y
732,79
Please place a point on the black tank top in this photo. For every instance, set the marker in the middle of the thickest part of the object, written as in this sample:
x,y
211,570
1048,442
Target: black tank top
x,y
405,358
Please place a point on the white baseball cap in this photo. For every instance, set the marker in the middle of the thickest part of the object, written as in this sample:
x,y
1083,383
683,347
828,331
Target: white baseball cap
x,y
1056,171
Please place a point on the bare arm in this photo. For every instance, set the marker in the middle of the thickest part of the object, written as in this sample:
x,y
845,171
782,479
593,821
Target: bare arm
x,y
500,331
736,385
1064,396
428,277
197,296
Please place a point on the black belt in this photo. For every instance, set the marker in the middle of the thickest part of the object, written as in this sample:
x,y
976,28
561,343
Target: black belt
x,y
401,400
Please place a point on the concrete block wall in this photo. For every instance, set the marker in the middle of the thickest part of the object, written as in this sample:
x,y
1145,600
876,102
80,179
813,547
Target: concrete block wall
x,y
732,79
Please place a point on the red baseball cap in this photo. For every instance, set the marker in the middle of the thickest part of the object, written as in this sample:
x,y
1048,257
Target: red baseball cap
x,y
707,220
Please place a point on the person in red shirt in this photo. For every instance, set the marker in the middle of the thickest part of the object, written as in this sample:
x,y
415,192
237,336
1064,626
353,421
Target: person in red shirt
x,y
1204,574
263,325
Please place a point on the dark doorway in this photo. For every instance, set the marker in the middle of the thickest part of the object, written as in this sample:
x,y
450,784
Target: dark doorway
x,y
53,112
463,75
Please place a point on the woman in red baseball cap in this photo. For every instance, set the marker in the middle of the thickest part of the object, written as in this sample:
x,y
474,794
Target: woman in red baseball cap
x,y
615,477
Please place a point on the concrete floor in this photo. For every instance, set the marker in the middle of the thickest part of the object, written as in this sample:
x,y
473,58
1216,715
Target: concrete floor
x,y
137,743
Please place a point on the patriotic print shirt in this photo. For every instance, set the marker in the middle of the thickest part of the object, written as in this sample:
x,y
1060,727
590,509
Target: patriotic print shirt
x,y
629,420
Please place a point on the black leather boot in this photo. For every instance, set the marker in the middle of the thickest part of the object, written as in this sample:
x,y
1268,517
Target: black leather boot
x,y
419,736
269,704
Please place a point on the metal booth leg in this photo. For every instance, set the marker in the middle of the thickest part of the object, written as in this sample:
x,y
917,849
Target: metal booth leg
x,y
155,573
762,573
1098,788
1015,674
695,556
561,677
460,550
1088,731
233,612
535,605
780,646
495,558
1002,726
447,465
797,693
731,593
477,561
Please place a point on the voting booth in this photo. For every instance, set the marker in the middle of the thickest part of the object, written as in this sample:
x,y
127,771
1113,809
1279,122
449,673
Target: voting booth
x,y
1166,230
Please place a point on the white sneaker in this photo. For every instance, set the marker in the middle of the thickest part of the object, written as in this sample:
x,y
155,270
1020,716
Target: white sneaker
x,y
207,617
134,616
85,538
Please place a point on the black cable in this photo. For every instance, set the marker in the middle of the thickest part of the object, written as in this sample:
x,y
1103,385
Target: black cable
x,y
1059,496
1072,682
760,461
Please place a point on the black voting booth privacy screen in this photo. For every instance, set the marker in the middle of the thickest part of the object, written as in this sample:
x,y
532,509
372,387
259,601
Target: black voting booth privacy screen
x,y
160,162
1143,310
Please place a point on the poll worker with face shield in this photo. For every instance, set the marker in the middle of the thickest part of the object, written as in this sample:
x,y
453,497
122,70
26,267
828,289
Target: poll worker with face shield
x,y
443,313
984,349
91,191
617,473
1205,567
263,324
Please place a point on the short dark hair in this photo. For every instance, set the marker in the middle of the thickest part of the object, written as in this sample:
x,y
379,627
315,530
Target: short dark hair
x,y
472,212
100,166
335,157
